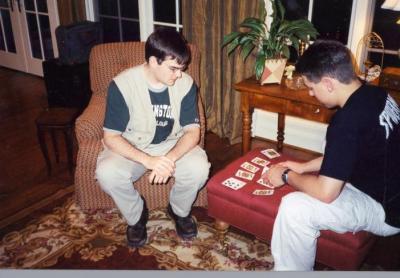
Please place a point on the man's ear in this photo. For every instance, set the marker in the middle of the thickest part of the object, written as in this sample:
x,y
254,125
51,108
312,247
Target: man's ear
x,y
329,83
153,61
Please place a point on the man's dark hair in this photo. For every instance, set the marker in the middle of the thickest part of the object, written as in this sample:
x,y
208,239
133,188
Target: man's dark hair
x,y
327,58
167,43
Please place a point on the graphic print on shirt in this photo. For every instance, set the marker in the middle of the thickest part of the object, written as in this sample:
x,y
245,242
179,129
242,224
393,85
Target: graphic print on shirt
x,y
162,112
389,116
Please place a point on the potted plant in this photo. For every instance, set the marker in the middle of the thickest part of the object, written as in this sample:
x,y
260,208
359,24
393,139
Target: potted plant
x,y
270,37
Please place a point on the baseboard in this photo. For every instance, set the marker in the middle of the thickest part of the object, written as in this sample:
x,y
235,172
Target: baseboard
x,y
298,132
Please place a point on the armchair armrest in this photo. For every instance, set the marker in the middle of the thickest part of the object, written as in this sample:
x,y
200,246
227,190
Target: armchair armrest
x,y
89,125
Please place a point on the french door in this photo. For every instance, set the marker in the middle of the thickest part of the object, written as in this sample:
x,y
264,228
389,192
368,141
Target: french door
x,y
27,34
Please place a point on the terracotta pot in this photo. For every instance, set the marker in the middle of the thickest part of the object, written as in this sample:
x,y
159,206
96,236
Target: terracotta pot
x,y
273,71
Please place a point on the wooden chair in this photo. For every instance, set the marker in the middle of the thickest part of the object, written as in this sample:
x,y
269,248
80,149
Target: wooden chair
x,y
106,61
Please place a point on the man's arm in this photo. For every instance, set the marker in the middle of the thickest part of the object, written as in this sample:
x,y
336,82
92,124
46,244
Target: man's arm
x,y
304,167
162,166
323,188
188,141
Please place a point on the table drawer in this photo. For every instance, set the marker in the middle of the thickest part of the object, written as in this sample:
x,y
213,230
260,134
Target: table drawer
x,y
271,104
308,111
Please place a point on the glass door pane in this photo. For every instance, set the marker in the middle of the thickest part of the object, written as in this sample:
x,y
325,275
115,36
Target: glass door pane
x,y
7,42
37,19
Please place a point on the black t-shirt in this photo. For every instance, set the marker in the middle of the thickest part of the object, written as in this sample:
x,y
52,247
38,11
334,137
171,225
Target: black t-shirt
x,y
363,147
117,112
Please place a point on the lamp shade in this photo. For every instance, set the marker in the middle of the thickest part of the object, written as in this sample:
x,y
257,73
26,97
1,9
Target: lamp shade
x,y
391,5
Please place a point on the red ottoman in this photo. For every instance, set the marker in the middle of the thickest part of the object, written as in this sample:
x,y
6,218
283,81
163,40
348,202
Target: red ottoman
x,y
256,215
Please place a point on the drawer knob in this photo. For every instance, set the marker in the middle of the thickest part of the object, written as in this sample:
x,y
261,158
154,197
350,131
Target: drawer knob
x,y
316,111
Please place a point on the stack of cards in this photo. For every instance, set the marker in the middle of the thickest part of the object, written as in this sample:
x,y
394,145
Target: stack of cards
x,y
270,153
233,183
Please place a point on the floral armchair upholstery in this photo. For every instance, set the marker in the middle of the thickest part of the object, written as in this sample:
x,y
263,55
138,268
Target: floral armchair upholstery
x,y
106,61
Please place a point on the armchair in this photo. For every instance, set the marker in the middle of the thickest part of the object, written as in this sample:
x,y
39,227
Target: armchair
x,y
105,62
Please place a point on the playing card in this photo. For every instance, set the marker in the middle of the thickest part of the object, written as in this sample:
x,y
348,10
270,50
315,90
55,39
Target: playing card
x,y
263,192
265,169
249,167
270,153
259,161
263,183
244,174
234,183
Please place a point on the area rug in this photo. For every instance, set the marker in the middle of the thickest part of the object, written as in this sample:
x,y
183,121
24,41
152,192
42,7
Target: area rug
x,y
69,238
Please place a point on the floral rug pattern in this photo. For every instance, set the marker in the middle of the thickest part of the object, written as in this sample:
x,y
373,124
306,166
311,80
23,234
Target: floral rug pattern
x,y
95,238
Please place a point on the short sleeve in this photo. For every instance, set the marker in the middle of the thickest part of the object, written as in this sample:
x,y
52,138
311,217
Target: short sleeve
x,y
189,111
117,112
340,151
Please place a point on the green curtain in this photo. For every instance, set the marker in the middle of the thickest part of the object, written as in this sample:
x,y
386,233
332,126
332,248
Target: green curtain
x,y
205,22
71,11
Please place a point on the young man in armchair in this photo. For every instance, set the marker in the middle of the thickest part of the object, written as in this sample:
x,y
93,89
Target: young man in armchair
x,y
152,123
358,186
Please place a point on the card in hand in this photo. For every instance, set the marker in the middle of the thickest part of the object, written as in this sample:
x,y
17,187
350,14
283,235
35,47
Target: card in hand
x,y
244,174
234,183
264,183
249,167
270,153
263,192
259,161
265,169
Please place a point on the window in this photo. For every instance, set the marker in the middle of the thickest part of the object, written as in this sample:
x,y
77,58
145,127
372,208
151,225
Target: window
x,y
330,18
386,26
168,13
134,20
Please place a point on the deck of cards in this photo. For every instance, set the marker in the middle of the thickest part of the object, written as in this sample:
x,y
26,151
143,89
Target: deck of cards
x,y
270,153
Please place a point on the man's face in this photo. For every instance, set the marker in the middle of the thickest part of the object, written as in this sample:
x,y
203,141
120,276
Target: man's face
x,y
168,71
321,91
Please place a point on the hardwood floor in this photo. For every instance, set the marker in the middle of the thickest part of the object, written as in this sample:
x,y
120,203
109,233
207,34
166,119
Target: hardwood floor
x,y
25,186
23,176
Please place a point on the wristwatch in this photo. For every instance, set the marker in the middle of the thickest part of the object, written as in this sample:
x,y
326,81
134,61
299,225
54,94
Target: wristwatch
x,y
285,175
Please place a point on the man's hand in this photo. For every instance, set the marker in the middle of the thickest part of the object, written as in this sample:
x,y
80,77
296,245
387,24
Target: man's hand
x,y
294,166
162,168
274,175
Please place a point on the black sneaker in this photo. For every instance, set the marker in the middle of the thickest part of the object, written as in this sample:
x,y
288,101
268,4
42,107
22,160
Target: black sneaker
x,y
186,227
137,234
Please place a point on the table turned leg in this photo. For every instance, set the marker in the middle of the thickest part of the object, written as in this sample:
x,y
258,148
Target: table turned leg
x,y
221,227
246,129
281,133
43,147
55,146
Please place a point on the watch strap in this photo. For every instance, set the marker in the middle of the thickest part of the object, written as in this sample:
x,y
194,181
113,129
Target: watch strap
x,y
285,175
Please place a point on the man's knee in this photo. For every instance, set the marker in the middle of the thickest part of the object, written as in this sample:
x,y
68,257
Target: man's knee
x,y
196,165
200,169
107,174
296,206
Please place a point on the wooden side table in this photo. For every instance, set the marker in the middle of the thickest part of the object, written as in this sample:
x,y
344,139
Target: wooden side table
x,y
279,99
53,120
